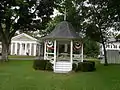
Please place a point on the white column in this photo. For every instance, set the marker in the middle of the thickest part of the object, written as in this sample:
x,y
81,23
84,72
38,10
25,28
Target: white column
x,y
45,50
82,53
11,48
54,53
58,50
66,47
35,45
71,52
20,52
25,49
16,48
30,49
39,49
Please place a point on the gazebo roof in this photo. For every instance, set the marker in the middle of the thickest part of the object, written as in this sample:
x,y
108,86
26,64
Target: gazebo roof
x,y
64,30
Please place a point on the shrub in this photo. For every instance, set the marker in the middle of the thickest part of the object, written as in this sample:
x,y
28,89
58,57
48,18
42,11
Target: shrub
x,y
78,67
87,66
49,66
40,64
93,63
74,66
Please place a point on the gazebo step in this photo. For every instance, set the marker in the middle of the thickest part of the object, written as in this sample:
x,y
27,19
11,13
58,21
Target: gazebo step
x,y
60,71
62,67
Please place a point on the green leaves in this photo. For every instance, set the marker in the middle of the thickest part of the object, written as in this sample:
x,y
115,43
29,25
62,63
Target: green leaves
x,y
93,32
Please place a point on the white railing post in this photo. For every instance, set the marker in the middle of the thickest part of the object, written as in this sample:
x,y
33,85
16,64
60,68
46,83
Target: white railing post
x,y
44,50
54,53
71,52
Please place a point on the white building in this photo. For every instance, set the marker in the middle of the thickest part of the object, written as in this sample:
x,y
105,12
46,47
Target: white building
x,y
112,44
24,44
113,51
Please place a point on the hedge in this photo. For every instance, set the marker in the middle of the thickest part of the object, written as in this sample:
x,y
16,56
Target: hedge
x,y
42,65
84,66
49,66
74,66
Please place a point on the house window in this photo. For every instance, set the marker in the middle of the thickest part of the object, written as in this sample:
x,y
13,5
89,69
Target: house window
x,y
115,46
111,46
107,46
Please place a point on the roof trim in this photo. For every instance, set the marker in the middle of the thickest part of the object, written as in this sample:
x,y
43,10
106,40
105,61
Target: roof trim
x,y
63,30
34,39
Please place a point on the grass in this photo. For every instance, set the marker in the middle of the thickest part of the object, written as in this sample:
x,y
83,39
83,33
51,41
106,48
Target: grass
x,y
15,56
19,75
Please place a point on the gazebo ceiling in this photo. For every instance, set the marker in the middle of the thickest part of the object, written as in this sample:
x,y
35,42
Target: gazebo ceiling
x,y
64,30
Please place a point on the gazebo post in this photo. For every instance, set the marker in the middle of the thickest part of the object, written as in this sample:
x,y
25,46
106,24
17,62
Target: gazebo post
x,y
45,50
82,53
54,52
65,48
71,52
57,50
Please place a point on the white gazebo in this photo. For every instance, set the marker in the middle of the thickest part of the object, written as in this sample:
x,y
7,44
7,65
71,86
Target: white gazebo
x,y
24,44
60,46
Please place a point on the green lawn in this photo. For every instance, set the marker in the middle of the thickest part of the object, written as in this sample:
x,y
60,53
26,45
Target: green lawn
x,y
15,56
19,75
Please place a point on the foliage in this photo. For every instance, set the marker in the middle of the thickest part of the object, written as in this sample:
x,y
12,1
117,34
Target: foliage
x,y
93,63
117,37
73,11
87,66
99,21
51,25
78,68
74,66
42,65
91,48
20,15
49,66
84,66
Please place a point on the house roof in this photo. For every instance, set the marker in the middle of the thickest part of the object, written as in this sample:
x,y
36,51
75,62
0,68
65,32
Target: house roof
x,y
64,30
23,37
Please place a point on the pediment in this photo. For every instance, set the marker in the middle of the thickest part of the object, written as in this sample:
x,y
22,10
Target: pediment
x,y
23,37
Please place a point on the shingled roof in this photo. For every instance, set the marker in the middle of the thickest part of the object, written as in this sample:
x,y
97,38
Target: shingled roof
x,y
64,30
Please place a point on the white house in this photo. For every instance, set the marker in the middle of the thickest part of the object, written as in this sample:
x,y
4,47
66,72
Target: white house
x,y
112,44
113,51
24,44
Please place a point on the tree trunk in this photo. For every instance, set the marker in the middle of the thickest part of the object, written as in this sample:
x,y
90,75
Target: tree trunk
x,y
105,54
4,51
103,43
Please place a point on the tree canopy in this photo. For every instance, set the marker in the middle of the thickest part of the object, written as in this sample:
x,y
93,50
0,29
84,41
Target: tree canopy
x,y
21,15
93,17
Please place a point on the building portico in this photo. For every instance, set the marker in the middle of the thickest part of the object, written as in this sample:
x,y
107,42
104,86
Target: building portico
x,y
24,44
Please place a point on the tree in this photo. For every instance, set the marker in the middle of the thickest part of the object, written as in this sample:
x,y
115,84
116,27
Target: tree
x,y
91,48
99,20
51,25
20,15
72,9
